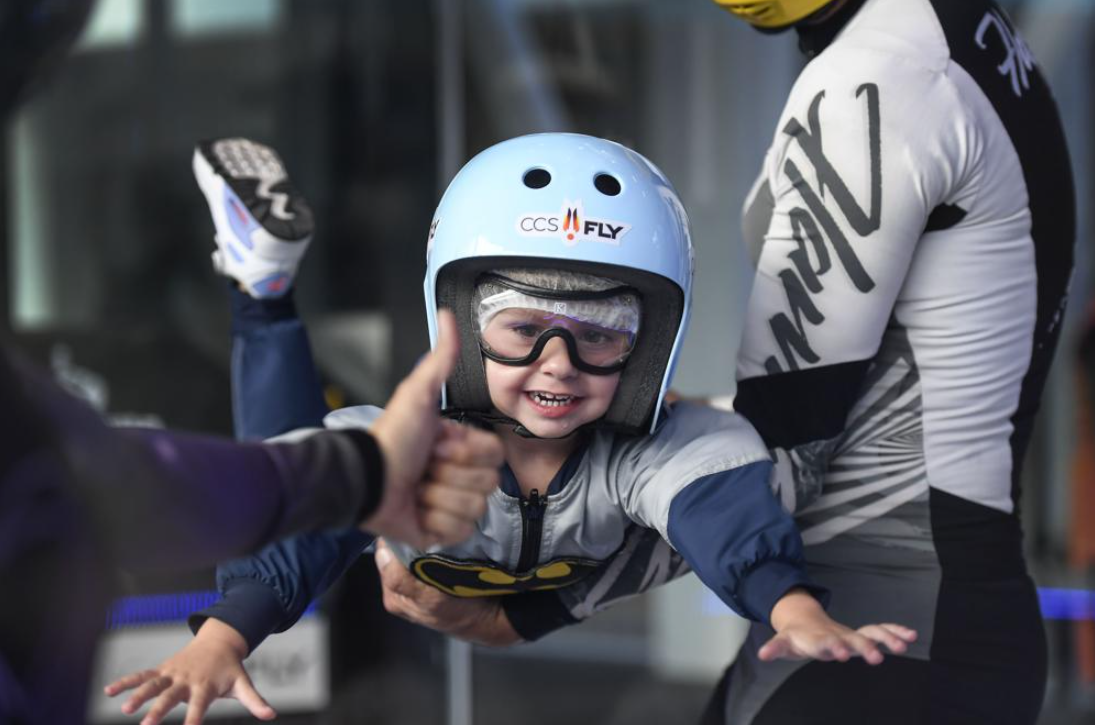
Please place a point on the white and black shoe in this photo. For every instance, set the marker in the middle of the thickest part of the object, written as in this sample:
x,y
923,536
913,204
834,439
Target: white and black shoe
x,y
263,224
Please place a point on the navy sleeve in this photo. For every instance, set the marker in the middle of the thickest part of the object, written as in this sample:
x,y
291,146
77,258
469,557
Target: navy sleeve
x,y
268,592
739,540
275,386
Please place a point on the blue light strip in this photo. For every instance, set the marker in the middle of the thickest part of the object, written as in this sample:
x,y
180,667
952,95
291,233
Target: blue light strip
x,y
1057,604
1069,604
1072,604
163,609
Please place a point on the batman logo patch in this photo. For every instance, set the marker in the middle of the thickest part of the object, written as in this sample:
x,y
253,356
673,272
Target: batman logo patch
x,y
484,579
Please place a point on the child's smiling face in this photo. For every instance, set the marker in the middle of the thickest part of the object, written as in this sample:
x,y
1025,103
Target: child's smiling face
x,y
550,396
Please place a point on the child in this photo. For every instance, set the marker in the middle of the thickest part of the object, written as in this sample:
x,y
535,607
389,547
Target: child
x,y
568,263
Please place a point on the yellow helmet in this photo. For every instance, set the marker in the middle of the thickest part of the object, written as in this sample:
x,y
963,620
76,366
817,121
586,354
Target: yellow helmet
x,y
772,14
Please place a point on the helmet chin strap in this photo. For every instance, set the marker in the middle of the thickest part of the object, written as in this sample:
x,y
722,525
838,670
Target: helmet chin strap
x,y
486,420
824,13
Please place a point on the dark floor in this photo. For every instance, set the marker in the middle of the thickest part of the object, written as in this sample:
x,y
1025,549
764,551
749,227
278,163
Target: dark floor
x,y
529,692
508,692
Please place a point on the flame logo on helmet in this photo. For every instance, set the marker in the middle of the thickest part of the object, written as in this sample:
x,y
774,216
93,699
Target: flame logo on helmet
x,y
572,225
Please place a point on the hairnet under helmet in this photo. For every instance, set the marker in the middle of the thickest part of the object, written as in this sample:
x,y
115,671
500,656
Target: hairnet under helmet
x,y
773,14
558,201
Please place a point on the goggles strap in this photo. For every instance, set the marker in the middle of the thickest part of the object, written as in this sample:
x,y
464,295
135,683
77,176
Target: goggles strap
x,y
486,420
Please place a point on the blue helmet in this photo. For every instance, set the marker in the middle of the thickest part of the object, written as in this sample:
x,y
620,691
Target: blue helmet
x,y
569,202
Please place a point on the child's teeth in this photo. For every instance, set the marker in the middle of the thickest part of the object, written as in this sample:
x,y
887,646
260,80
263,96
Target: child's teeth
x,y
552,401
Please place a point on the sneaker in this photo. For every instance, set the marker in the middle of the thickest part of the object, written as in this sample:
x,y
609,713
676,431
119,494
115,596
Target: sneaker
x,y
263,224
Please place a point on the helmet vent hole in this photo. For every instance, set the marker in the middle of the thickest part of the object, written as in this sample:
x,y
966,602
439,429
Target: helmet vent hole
x,y
607,185
537,178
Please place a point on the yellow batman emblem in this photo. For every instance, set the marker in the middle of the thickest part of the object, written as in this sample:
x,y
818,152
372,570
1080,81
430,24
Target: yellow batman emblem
x,y
484,579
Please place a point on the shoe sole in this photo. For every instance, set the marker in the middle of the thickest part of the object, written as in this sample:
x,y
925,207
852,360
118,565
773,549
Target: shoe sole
x,y
263,263
283,214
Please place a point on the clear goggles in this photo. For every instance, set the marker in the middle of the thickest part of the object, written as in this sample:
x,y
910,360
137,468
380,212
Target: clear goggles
x,y
517,321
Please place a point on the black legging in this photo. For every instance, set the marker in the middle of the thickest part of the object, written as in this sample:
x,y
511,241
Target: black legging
x,y
988,667
890,693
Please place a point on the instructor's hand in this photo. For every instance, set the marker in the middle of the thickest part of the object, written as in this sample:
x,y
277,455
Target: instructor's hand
x,y
438,473
476,619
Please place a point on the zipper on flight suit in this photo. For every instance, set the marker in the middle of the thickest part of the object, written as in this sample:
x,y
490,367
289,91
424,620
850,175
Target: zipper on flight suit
x,y
532,529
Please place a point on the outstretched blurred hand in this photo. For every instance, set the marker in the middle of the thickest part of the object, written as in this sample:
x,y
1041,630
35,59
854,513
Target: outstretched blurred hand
x,y
208,668
440,505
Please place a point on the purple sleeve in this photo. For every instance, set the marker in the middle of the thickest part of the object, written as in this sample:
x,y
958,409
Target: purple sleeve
x,y
226,498
166,499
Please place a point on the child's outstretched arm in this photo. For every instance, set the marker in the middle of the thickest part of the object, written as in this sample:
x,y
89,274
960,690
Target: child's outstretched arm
x,y
261,594
209,667
703,483
805,631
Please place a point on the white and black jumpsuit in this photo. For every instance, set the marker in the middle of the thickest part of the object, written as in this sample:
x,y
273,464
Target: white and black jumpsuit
x,y
912,232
